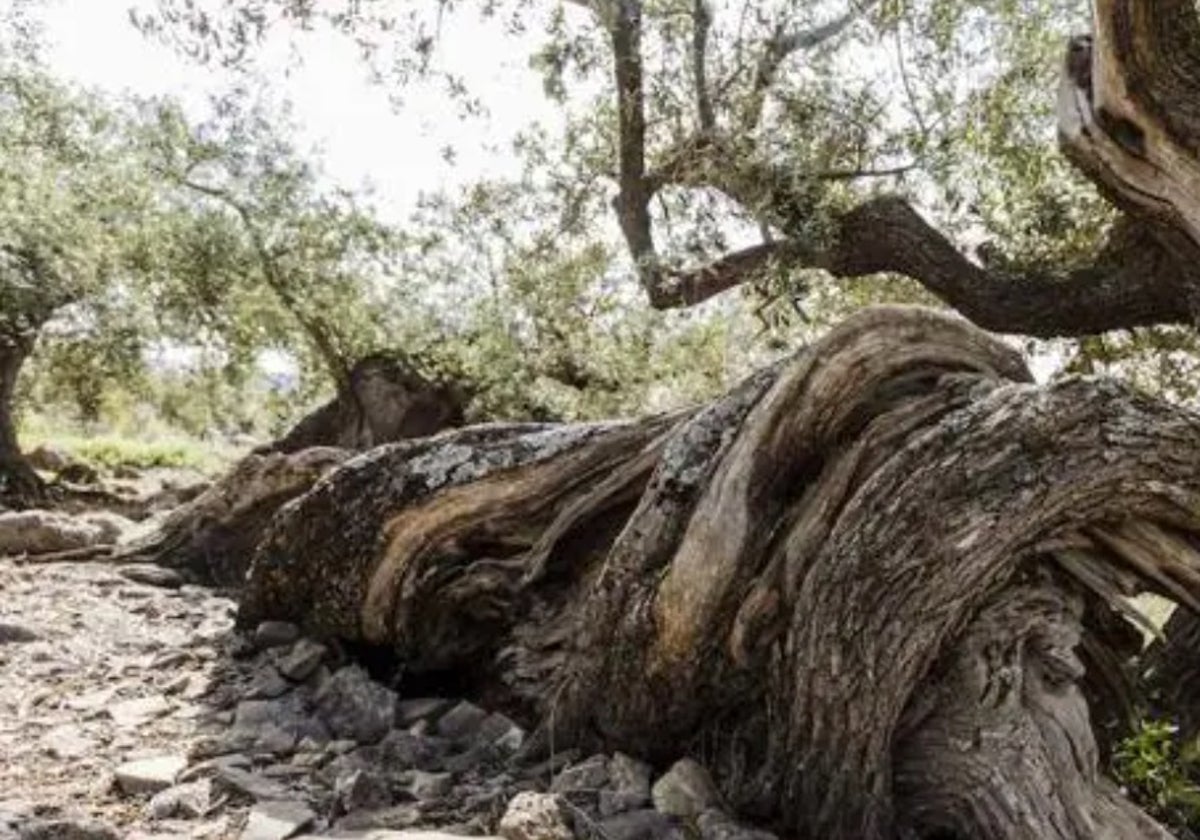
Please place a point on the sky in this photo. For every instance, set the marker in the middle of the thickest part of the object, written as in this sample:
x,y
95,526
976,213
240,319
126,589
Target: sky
x,y
362,137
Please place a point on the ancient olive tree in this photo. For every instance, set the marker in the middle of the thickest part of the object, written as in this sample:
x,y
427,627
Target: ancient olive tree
x,y
876,584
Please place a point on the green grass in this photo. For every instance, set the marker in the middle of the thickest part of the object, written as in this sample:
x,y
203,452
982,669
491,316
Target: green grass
x,y
109,450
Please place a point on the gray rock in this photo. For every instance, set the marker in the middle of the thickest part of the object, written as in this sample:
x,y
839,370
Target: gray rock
x,y
67,828
270,634
151,575
686,790
461,723
589,775
190,801
46,456
358,790
499,730
302,660
68,741
424,785
276,820
44,531
378,823
130,714
149,775
534,816
16,634
400,750
253,785
716,825
267,684
352,705
274,740
646,824
409,712
629,786
112,526
288,713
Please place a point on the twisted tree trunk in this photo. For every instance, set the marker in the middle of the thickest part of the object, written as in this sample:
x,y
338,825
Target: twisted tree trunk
x,y
381,400
860,579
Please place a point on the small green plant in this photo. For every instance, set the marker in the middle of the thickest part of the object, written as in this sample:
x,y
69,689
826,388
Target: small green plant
x,y
1158,772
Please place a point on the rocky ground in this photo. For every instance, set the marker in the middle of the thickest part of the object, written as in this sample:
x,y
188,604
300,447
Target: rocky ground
x,y
131,708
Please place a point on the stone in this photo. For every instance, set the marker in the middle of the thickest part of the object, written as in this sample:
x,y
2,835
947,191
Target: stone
x,y
191,801
686,790
149,775
288,713
461,723
276,820
402,750
267,684
534,816
271,634
716,825
68,741
47,457
646,824
628,786
588,775
424,785
151,575
130,714
112,526
274,740
67,828
353,706
358,790
409,712
499,730
254,785
16,634
302,660
43,532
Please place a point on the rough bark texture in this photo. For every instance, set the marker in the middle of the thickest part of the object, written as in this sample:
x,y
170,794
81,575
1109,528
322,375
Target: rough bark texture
x,y
857,580
382,400
20,486
213,536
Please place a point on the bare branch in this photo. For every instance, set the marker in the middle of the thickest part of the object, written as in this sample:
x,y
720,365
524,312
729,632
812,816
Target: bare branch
x,y
316,328
782,45
701,23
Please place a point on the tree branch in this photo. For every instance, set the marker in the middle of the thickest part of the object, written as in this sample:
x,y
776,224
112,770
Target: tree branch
x,y
1135,281
783,44
317,331
701,23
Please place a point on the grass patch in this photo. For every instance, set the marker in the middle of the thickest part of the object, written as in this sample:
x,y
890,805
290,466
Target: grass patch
x,y
111,450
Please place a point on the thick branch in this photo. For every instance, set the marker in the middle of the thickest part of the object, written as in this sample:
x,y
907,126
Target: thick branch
x,y
1129,113
1134,282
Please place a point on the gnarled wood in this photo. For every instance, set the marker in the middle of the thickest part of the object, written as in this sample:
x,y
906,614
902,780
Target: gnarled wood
x,y
804,573
382,400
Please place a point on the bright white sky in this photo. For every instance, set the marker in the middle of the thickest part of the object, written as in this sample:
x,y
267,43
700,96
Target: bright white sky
x,y
363,139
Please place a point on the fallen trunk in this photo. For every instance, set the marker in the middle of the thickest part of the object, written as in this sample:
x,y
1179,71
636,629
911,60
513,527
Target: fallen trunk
x,y
382,400
856,583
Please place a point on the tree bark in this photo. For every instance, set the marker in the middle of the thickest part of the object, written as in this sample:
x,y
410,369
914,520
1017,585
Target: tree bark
x,y
20,486
859,579
381,400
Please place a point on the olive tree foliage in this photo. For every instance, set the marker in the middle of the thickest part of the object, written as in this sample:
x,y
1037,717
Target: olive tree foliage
x,y
764,146
310,258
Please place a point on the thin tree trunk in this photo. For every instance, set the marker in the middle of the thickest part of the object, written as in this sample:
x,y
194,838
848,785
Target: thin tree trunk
x,y
20,486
